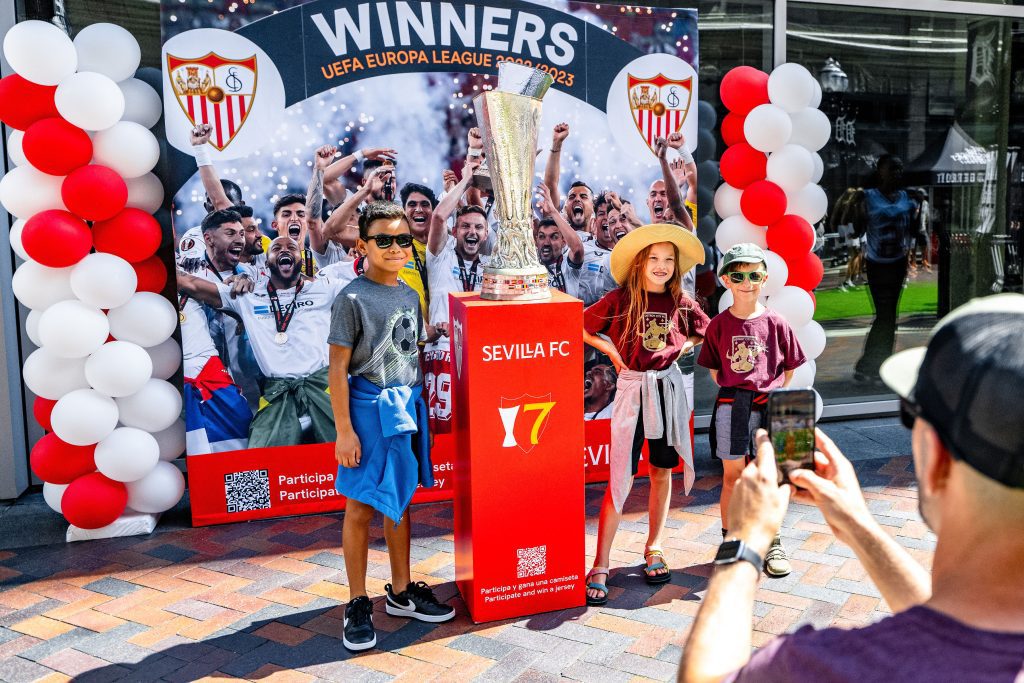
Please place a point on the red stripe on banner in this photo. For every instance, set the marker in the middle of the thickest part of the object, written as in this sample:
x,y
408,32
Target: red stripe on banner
x,y
650,125
241,110
661,119
217,125
231,116
191,109
675,121
206,118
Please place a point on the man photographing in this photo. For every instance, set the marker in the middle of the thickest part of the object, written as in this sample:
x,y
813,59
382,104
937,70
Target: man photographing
x,y
965,622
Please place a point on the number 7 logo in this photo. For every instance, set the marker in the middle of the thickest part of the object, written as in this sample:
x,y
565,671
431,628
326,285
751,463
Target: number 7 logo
x,y
524,433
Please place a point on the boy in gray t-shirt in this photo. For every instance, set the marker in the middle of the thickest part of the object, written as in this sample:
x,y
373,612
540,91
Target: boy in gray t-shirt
x,y
383,446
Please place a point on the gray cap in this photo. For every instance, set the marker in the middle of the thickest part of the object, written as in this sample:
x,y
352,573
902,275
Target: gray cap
x,y
745,252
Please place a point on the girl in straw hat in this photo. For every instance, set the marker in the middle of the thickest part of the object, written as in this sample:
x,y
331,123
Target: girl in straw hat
x,y
645,325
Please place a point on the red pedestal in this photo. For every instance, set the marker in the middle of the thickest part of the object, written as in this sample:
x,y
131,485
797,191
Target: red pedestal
x,y
517,371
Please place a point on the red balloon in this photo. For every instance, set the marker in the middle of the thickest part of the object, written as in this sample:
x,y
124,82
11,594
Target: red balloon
x,y
23,102
807,272
41,409
56,238
56,147
93,500
133,234
732,128
58,462
94,192
152,275
791,237
741,165
763,202
743,88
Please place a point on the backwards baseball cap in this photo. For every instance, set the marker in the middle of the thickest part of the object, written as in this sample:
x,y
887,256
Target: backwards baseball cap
x,y
968,383
745,252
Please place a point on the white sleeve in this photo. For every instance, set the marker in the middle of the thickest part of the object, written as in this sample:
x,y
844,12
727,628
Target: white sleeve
x,y
226,301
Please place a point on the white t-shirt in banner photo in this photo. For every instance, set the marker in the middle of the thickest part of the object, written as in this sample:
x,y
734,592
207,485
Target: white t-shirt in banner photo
x,y
300,349
448,272
595,273
197,345
564,276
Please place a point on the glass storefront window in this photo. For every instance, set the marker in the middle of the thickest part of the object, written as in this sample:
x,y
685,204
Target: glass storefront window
x,y
937,92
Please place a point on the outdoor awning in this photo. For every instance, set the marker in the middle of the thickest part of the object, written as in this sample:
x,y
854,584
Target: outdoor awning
x,y
956,160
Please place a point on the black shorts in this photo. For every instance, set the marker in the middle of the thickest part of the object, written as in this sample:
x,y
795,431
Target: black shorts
x,y
659,453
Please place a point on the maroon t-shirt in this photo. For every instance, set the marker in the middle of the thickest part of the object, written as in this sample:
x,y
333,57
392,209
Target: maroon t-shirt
x,y
916,646
666,325
751,354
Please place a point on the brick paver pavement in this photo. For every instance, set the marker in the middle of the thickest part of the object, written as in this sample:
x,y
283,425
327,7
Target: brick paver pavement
x,y
264,601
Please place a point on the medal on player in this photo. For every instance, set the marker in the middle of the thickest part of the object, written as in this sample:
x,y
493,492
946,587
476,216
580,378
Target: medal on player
x,y
282,316
182,299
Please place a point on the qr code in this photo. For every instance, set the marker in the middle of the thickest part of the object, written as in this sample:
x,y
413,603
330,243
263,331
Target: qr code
x,y
247,490
532,561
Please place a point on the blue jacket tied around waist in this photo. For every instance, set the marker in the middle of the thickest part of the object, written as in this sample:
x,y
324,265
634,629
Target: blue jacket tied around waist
x,y
391,425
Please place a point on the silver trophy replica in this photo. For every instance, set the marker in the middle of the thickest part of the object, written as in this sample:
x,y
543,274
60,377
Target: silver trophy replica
x,y
509,117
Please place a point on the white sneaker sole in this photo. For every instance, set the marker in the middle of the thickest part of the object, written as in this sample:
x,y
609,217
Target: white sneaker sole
x,y
413,614
357,647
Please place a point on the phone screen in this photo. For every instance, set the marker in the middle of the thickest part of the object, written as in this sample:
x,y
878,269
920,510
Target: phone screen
x,y
791,426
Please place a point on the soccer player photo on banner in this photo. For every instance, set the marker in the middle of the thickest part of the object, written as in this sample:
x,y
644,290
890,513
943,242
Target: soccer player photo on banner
x,y
286,120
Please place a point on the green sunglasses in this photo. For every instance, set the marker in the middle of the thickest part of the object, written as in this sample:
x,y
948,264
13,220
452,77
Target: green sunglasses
x,y
755,276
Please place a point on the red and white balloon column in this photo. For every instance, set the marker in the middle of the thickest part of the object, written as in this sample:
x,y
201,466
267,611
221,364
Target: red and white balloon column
x,y
83,195
770,196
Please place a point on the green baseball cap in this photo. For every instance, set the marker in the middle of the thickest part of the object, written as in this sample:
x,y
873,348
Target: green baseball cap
x,y
745,252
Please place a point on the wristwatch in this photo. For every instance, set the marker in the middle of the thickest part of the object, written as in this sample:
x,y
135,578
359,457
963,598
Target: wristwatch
x,y
733,551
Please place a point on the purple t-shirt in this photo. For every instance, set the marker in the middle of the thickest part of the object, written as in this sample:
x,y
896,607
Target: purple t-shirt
x,y
751,354
918,645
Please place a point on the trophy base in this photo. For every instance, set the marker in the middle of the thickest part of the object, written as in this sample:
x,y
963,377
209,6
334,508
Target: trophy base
x,y
525,284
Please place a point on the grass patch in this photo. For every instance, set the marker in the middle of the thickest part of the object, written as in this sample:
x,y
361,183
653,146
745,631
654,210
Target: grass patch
x,y
833,304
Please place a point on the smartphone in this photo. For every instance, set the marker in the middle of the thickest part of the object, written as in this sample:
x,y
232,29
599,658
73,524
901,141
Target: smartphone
x,y
791,428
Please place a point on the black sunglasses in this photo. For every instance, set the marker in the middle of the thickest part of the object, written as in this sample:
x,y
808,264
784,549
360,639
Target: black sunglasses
x,y
755,276
909,412
385,241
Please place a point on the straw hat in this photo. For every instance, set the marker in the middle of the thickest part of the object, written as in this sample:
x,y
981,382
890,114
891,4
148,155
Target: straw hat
x,y
691,251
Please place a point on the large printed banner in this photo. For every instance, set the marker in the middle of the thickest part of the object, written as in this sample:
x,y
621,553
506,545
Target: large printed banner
x,y
275,81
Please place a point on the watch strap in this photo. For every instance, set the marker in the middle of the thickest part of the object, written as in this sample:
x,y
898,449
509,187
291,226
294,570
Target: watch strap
x,y
745,553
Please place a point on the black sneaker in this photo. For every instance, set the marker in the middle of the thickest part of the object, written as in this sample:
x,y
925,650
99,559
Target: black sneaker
x,y
417,601
359,634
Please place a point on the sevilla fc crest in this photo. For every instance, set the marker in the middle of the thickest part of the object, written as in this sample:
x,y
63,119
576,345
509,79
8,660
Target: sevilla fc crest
x,y
216,91
659,105
523,420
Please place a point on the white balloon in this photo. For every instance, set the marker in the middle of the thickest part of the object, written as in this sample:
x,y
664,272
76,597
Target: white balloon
x,y
153,408
107,49
38,287
127,454
166,358
171,441
736,230
128,148
72,329
40,52
725,301
141,103
778,273
32,326
14,149
791,167
145,192
118,368
52,493
811,129
89,100
147,319
812,339
767,127
819,168
791,87
50,376
803,376
809,202
104,280
24,191
83,417
15,238
819,405
816,98
158,491
727,200
793,304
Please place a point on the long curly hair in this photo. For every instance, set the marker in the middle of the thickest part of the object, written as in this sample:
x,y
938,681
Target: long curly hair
x,y
636,290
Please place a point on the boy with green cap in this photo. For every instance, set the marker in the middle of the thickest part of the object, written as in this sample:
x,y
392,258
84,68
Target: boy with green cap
x,y
750,350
